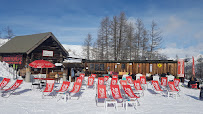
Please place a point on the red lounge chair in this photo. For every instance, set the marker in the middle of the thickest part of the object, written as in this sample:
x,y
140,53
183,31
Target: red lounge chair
x,y
172,90
63,90
90,82
101,94
116,94
133,99
156,87
129,79
93,75
79,79
138,87
164,82
143,82
76,89
106,78
48,89
4,82
82,75
100,81
123,82
176,82
11,89
114,76
114,81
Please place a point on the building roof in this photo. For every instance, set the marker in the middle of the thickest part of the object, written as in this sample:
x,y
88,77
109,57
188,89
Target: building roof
x,y
26,44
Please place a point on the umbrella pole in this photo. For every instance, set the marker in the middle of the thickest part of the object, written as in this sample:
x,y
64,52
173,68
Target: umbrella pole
x,y
46,72
41,73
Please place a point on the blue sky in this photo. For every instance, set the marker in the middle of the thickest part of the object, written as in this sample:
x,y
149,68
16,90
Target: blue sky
x,y
71,20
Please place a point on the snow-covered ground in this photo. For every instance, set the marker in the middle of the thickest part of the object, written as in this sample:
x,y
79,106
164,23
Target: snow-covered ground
x,y
29,101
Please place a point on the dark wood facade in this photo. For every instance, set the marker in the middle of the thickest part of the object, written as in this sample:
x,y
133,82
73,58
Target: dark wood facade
x,y
133,67
28,54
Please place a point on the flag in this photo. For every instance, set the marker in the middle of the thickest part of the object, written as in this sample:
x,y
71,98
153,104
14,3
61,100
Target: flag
x,y
181,67
193,66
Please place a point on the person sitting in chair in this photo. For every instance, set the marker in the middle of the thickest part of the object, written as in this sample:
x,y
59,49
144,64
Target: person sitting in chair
x,y
192,81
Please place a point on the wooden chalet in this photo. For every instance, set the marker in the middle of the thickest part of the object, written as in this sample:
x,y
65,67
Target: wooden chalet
x,y
132,67
22,50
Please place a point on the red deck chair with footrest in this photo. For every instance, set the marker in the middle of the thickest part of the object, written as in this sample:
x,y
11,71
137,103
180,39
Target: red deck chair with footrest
x,y
116,94
133,99
63,90
101,94
11,89
4,82
172,89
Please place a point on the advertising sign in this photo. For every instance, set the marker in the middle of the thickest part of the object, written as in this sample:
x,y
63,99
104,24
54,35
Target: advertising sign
x,y
181,68
47,53
13,59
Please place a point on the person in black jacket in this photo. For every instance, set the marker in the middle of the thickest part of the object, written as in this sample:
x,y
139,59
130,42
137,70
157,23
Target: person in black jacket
x,y
193,80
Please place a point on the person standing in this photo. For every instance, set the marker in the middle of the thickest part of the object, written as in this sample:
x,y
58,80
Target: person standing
x,y
72,72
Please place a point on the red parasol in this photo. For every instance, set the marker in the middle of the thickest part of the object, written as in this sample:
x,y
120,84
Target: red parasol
x,y
41,64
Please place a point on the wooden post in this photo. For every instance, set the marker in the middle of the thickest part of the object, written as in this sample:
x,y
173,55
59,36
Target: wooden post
x,y
28,73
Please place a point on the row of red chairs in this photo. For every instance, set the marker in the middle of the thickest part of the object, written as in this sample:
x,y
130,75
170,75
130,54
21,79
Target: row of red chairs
x,y
7,92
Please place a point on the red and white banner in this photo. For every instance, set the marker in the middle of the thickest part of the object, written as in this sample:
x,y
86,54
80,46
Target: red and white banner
x,y
193,66
181,67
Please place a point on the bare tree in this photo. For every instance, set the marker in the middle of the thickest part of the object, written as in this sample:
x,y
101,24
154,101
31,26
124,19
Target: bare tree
x,y
87,46
144,44
114,33
100,45
155,39
9,32
138,37
121,37
119,40
94,51
130,38
104,38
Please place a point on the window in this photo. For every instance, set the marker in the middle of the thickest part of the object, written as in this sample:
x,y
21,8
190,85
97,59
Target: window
x,y
97,67
101,67
91,67
123,66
